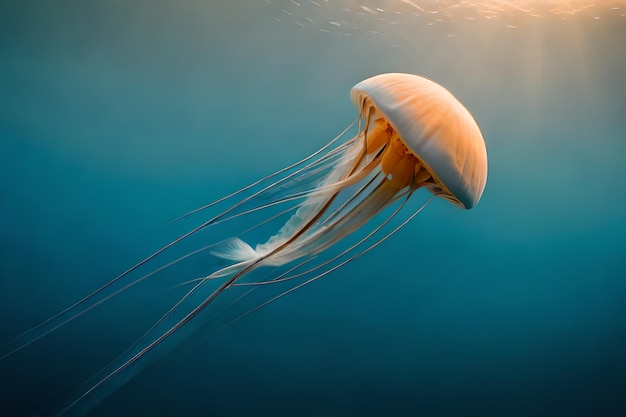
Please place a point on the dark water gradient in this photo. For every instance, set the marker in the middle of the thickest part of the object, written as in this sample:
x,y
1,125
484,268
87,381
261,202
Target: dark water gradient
x,y
116,117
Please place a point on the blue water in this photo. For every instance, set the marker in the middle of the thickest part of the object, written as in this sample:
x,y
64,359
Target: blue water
x,y
117,117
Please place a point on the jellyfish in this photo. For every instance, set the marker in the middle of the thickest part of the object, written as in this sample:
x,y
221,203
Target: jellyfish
x,y
411,134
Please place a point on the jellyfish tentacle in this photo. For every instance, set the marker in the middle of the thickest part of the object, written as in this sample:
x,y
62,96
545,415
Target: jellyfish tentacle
x,y
308,211
71,399
78,308
303,219
336,230
291,197
13,346
313,173
95,304
81,307
344,182
242,256
49,325
237,299
350,200
218,250
268,177
240,203
158,339
346,174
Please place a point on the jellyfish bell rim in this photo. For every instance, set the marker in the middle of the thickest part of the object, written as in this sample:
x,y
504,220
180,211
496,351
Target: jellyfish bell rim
x,y
435,126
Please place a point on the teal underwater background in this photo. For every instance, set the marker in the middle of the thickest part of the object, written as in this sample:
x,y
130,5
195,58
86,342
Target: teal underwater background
x,y
117,117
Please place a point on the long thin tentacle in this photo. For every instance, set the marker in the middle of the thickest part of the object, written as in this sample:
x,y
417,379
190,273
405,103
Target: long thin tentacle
x,y
71,312
11,350
134,358
189,316
268,177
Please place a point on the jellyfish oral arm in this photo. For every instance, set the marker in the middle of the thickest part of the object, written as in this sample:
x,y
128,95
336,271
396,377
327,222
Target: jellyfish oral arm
x,y
376,157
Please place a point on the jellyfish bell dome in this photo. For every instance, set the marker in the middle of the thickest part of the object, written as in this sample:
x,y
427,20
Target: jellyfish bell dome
x,y
436,128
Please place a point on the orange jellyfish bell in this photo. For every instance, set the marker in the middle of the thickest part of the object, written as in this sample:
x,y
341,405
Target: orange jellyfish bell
x,y
435,127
